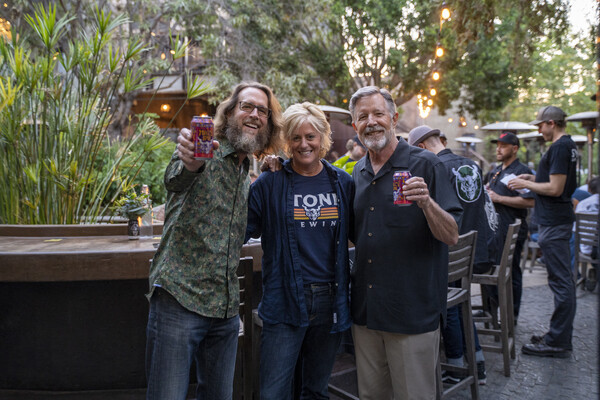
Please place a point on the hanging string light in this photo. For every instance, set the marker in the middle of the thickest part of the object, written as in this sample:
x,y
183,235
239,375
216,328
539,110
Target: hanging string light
x,y
439,51
445,12
425,104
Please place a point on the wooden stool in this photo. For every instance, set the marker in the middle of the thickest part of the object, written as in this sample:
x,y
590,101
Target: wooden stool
x,y
501,277
460,269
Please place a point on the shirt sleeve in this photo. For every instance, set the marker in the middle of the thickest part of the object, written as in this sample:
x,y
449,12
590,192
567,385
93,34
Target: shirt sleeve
x,y
444,194
177,177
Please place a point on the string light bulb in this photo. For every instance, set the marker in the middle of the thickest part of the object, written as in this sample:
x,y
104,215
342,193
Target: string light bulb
x,y
436,76
445,11
439,51
432,91
423,111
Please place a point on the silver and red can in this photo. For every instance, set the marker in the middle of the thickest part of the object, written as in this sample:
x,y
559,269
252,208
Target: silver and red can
x,y
202,131
399,179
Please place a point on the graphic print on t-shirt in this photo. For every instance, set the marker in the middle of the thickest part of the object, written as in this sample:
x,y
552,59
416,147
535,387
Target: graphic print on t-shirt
x,y
314,210
468,183
315,206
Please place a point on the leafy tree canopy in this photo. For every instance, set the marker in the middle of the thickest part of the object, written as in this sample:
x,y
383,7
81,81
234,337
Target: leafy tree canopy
x,y
323,50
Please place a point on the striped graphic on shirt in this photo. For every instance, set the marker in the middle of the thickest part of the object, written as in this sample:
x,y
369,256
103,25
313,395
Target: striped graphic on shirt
x,y
324,213
313,207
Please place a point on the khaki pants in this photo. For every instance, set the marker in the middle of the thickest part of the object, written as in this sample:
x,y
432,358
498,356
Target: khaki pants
x,y
395,366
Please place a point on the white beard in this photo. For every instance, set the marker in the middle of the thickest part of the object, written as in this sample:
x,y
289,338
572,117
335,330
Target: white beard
x,y
375,144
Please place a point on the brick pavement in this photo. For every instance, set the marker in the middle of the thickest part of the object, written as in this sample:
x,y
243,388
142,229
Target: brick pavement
x,y
536,377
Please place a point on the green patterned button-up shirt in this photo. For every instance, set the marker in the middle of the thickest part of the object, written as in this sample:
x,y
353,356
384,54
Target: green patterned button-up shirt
x,y
205,223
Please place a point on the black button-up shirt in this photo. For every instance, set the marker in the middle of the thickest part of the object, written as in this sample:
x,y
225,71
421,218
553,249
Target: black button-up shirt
x,y
400,275
508,214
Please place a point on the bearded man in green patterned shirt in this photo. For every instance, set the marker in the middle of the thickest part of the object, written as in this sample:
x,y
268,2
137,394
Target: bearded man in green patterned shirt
x,y
194,293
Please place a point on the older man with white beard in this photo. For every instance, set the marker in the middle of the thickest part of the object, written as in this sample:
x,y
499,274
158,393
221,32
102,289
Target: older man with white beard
x,y
399,280
194,292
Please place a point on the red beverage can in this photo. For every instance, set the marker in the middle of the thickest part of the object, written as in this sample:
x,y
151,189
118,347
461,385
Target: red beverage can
x,y
202,131
399,179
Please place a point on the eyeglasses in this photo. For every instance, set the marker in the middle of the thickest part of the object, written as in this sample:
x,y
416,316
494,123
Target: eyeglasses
x,y
249,107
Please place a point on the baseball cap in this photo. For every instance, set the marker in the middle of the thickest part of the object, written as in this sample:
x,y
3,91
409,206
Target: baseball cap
x,y
507,137
420,133
357,140
549,113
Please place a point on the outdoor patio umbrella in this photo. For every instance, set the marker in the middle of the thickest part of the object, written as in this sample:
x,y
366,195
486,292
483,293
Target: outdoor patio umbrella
x,y
513,126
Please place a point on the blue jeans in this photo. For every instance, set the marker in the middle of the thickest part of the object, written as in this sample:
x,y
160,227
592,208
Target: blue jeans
x,y
454,339
176,337
554,242
314,347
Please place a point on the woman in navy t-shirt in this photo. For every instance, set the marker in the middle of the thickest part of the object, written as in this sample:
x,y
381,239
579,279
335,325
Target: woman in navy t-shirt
x,y
303,214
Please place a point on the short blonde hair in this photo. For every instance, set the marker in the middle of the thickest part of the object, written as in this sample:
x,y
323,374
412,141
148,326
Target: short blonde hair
x,y
296,115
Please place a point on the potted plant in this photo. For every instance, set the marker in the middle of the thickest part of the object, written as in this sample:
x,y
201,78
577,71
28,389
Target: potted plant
x,y
132,206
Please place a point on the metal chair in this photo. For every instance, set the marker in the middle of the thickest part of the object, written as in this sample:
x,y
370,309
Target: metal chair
x,y
460,269
243,377
503,328
586,234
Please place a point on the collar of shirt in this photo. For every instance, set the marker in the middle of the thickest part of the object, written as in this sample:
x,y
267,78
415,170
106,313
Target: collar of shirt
x,y
226,149
445,151
513,164
398,160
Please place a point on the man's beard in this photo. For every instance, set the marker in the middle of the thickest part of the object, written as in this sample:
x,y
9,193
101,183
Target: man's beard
x,y
372,143
245,142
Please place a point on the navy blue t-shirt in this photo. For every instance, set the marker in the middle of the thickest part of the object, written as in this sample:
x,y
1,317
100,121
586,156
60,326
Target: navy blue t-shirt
x,y
316,220
561,158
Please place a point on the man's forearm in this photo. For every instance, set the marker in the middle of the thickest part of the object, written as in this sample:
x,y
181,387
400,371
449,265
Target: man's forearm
x,y
514,201
442,224
551,188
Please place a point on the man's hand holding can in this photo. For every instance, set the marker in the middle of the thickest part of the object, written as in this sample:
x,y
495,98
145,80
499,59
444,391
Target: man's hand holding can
x,y
185,150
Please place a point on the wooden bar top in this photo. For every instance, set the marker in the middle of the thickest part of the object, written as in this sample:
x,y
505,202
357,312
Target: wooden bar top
x,y
51,259
83,258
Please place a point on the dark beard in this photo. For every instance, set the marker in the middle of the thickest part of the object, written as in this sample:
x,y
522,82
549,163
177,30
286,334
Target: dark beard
x,y
243,142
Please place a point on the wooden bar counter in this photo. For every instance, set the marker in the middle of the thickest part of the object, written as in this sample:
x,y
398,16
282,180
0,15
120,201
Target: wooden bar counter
x,y
87,258
73,308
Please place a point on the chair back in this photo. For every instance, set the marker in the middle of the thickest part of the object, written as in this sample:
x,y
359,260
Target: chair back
x,y
508,252
461,257
244,273
243,381
586,233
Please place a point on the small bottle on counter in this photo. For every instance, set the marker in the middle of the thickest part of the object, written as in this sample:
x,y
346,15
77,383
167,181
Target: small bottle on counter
x,y
146,231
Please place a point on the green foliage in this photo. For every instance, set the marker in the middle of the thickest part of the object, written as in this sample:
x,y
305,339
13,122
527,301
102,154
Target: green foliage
x,y
131,205
562,76
488,47
56,104
294,46
323,50
150,174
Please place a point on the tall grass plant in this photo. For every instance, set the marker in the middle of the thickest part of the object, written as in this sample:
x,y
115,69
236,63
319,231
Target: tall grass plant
x,y
55,107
